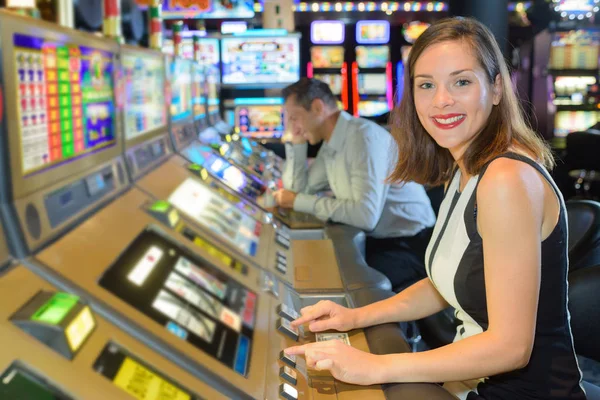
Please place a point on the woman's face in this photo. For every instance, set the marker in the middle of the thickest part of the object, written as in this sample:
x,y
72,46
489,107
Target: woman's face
x,y
453,96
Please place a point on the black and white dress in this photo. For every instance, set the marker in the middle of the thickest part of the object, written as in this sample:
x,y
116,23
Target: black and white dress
x,y
454,263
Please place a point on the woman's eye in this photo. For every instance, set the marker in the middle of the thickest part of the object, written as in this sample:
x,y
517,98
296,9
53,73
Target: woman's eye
x,y
463,82
426,85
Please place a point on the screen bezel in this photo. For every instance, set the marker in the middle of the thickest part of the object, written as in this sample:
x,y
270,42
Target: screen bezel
x,y
223,50
23,185
161,130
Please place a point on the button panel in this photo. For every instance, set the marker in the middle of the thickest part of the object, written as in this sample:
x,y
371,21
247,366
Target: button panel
x,y
283,326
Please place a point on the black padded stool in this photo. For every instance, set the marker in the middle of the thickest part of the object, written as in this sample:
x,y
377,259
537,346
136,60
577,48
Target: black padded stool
x,y
584,233
584,163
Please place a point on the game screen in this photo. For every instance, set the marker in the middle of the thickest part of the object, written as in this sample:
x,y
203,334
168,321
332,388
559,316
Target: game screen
x,y
566,122
373,108
188,296
333,80
180,76
260,121
210,56
17,383
231,175
65,101
575,49
372,56
327,32
327,57
145,103
198,92
372,32
208,209
250,60
372,84
135,377
212,96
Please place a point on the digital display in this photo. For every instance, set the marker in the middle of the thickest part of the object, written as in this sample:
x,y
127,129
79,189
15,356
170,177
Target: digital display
x,y
327,32
80,328
198,92
209,210
210,56
17,383
248,60
373,108
327,57
145,103
180,77
566,122
55,309
136,378
413,30
212,96
260,121
193,300
334,81
65,101
372,56
176,9
372,84
372,32
145,266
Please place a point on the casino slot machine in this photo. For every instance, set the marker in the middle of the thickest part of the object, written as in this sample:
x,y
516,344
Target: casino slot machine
x,y
411,32
217,317
327,62
372,91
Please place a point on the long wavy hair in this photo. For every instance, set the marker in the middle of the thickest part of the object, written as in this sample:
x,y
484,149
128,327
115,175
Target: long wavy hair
x,y
420,158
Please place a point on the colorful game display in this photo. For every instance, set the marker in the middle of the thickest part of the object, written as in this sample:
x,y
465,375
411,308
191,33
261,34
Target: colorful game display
x,y
65,101
334,82
372,32
198,92
145,108
260,121
209,55
327,32
575,49
372,56
181,89
327,57
250,60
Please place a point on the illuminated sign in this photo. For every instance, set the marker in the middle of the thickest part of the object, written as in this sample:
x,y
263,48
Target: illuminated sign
x,y
146,265
327,32
228,27
372,32
80,328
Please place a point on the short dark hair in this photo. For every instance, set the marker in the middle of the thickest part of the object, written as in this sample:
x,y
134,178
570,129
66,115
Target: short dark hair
x,y
309,89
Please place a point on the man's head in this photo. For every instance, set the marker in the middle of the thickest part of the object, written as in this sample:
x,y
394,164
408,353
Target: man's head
x,y
308,103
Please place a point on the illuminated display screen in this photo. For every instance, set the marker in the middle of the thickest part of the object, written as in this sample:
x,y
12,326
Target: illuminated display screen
x,y
145,103
373,108
212,97
210,210
80,329
17,383
413,30
260,121
372,83
210,56
189,297
372,32
566,122
327,57
372,56
65,101
55,309
250,60
181,89
221,169
334,82
198,92
327,32
136,378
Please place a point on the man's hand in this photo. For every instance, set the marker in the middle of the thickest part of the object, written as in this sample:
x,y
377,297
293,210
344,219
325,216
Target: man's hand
x,y
285,198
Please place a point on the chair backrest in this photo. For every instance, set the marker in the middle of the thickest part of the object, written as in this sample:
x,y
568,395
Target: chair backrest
x,y
582,151
584,233
584,306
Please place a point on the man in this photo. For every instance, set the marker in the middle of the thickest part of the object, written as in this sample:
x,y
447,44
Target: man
x,y
355,159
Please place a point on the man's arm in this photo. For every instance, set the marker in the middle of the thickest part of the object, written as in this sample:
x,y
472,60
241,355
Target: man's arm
x,y
297,176
367,159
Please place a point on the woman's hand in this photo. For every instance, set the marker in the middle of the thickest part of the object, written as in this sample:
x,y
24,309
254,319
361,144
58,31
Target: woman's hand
x,y
345,363
327,315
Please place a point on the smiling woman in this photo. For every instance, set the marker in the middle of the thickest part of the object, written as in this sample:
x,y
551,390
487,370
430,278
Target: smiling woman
x,y
498,253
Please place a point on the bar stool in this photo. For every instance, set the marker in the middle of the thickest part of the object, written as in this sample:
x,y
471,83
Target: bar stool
x,y
583,160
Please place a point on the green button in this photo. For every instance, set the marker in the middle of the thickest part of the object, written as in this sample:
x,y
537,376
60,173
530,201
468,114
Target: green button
x,y
55,309
161,206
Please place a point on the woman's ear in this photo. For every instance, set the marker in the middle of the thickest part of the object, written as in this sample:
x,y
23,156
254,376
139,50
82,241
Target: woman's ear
x,y
497,90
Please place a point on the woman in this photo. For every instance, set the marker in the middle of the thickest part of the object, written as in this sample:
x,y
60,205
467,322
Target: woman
x,y
498,253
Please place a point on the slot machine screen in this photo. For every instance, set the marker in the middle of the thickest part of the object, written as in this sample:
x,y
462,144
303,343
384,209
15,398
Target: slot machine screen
x,y
566,122
327,56
372,83
327,32
372,108
199,93
65,101
334,81
372,32
180,76
248,60
372,56
260,121
188,296
209,56
145,107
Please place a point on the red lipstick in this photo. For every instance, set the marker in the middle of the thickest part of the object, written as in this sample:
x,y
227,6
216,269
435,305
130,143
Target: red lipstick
x,y
448,116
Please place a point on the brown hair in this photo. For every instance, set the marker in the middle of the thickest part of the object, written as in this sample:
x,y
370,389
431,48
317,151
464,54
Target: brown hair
x,y
420,158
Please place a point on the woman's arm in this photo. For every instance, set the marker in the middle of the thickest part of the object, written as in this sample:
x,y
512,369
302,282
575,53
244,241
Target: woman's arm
x,y
510,202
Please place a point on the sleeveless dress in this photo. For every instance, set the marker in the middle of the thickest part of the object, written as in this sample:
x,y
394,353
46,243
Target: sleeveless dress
x,y
454,263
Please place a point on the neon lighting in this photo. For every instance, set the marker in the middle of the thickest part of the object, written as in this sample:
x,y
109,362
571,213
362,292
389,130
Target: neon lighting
x,y
390,88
